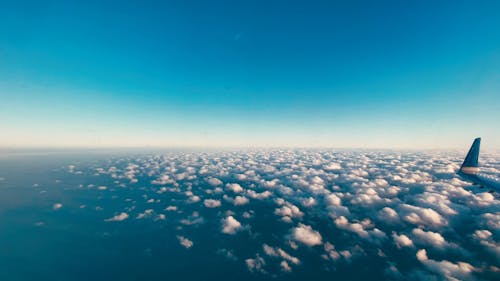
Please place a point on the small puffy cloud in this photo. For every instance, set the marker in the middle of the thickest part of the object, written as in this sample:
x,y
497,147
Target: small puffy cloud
x,y
256,264
171,208
285,267
194,199
447,269
234,187
186,243
57,206
309,202
333,200
342,223
430,238
230,225
492,220
263,195
120,217
332,167
306,235
485,238
146,214
212,203
162,180
388,215
214,182
160,217
422,216
402,240
360,228
278,252
240,201
228,254
331,253
289,211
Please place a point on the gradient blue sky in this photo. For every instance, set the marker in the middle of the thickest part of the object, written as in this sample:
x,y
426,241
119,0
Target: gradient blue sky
x,y
374,74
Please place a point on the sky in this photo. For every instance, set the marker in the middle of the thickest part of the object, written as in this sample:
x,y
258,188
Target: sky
x,y
347,74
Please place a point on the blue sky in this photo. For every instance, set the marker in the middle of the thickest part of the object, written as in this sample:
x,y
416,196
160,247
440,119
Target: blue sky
x,y
373,74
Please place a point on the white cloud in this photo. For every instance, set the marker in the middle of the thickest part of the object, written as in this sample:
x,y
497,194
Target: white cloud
x,y
234,187
309,202
306,235
430,238
422,216
162,180
240,201
331,253
446,269
160,217
285,267
194,199
492,220
171,208
186,243
256,264
214,182
146,214
485,238
57,206
211,203
278,252
332,167
402,240
333,200
263,195
388,215
360,228
120,217
230,225
289,211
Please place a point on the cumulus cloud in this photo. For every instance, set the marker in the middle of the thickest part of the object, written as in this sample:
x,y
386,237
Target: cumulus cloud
x,y
388,215
146,214
422,216
430,238
214,182
333,200
240,201
256,264
360,228
230,225
446,269
120,217
57,206
186,243
485,238
306,235
280,253
211,203
234,187
289,211
171,208
402,240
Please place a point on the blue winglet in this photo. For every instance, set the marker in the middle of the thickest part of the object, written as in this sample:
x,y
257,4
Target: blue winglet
x,y
471,160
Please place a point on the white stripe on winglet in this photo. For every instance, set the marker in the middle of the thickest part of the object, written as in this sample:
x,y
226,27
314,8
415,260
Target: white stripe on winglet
x,y
470,170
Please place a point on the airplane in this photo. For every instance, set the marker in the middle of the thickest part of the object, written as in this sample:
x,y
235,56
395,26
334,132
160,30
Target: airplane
x,y
470,169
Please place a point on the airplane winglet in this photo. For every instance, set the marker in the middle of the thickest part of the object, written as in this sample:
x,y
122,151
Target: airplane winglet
x,y
470,164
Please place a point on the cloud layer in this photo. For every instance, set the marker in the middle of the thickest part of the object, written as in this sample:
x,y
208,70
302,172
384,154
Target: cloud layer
x,y
340,207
